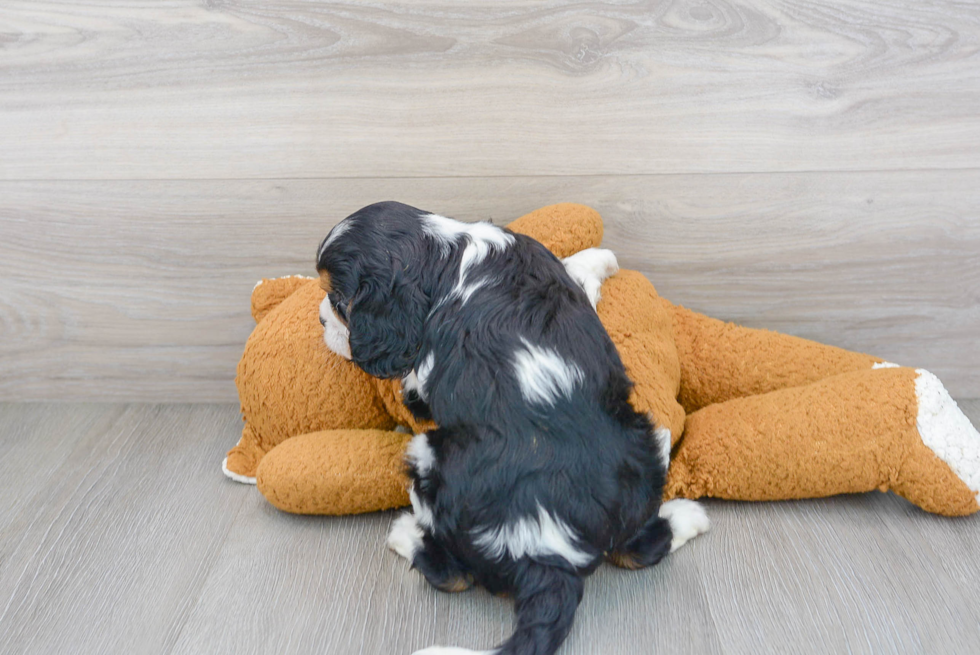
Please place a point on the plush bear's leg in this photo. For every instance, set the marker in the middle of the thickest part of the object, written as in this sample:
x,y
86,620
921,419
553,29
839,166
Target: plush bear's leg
x,y
888,428
336,472
721,361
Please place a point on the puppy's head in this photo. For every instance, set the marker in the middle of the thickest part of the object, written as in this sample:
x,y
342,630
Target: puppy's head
x,y
371,266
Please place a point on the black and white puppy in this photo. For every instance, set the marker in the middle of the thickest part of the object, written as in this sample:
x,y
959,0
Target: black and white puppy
x,y
540,468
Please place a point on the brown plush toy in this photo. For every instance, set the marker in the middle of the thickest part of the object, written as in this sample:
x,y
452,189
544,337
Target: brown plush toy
x,y
752,414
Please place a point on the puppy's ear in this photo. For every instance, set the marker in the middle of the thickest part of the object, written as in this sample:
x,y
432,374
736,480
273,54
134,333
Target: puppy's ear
x,y
386,321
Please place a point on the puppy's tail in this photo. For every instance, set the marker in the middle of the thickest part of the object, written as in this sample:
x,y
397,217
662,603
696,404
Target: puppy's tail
x,y
546,599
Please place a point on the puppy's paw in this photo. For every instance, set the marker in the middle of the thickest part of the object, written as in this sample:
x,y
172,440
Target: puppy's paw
x,y
590,268
687,520
405,536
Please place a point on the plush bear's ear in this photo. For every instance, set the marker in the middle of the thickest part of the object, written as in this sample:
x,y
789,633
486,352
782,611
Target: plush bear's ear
x,y
386,319
268,293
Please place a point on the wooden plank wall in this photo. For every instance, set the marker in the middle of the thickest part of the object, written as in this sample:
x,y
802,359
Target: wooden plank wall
x,y
812,167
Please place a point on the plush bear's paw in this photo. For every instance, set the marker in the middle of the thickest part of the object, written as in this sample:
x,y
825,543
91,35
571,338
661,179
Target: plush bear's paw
x,y
687,520
235,476
590,268
405,536
946,430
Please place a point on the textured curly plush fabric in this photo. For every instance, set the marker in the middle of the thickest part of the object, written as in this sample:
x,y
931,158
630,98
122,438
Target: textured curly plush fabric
x,y
721,361
848,433
752,414
564,229
301,475
642,330
281,381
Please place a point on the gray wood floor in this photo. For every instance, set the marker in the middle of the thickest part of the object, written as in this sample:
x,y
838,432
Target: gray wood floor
x,y
118,534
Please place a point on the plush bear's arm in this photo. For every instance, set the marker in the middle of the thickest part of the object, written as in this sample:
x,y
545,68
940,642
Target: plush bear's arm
x,y
721,361
889,428
336,472
640,326
564,229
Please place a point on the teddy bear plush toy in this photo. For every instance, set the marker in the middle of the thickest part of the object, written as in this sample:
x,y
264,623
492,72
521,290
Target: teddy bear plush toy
x,y
751,414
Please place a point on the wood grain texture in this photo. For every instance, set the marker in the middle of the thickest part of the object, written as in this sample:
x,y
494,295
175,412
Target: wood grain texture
x,y
252,89
128,539
139,290
33,455
110,551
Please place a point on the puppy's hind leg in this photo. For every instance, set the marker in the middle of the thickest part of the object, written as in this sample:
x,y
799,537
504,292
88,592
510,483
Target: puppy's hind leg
x,y
423,552
677,522
647,547
440,567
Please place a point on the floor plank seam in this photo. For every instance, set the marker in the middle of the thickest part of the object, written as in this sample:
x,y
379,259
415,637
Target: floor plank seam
x,y
531,176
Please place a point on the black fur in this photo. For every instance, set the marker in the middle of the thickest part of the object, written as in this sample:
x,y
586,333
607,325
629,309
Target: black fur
x,y
589,460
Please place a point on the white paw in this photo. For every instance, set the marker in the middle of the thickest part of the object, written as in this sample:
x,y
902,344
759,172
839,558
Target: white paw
x,y
244,479
687,520
405,536
590,268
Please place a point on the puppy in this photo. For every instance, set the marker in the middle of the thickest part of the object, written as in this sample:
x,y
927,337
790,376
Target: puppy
x,y
540,468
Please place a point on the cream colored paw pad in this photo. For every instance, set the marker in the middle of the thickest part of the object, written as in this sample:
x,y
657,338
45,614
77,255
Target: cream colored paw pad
x,y
947,431
244,479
